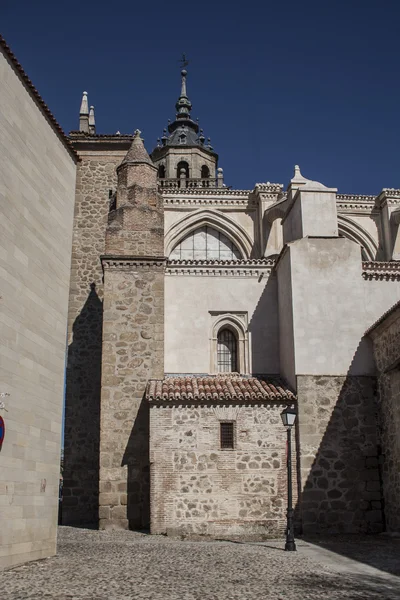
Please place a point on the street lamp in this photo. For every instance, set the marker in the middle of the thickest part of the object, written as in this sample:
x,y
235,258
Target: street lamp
x,y
288,419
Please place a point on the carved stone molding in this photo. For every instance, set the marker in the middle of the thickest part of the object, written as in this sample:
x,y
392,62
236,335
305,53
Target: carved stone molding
x,y
178,201
127,263
204,192
381,271
229,268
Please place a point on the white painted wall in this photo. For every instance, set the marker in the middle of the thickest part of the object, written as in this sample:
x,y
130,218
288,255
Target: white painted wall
x,y
37,186
188,300
332,307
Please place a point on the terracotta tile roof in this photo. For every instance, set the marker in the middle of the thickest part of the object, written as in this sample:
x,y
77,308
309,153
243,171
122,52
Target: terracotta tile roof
x,y
37,97
220,387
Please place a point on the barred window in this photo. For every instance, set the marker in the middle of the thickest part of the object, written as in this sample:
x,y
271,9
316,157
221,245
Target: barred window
x,y
227,435
227,351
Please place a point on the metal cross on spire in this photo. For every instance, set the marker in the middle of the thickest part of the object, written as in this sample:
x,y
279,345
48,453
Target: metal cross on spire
x,y
184,61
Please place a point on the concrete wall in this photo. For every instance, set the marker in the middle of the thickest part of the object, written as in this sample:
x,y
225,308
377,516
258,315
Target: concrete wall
x,y
197,488
37,184
387,355
189,299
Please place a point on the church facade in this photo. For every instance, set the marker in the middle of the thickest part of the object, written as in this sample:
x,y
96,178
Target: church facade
x,y
197,313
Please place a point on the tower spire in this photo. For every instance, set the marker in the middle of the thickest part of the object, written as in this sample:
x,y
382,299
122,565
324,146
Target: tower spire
x,y
183,105
84,114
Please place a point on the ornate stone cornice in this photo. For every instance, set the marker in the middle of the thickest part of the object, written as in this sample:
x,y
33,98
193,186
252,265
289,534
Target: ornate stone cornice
x,y
177,202
271,188
127,263
391,193
355,198
389,196
381,271
203,192
354,203
221,268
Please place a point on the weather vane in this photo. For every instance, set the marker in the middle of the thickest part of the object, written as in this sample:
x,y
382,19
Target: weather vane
x,y
184,62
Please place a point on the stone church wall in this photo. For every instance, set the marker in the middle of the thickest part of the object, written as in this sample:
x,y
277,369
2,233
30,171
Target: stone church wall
x,y
387,355
133,350
340,476
95,177
199,489
37,175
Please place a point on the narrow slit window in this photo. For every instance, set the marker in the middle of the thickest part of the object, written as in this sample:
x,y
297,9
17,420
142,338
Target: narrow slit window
x,y
227,435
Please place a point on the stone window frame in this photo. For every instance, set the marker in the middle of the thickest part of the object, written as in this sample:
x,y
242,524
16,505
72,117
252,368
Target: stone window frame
x,y
237,322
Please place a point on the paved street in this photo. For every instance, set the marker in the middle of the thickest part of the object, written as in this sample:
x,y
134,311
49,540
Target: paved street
x,y
121,565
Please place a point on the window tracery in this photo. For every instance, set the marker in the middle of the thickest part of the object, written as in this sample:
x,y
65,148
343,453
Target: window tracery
x,y
205,243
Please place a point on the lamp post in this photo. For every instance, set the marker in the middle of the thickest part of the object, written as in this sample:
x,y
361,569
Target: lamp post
x,y
288,419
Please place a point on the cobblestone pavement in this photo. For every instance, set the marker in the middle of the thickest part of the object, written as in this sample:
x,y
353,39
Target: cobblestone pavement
x,y
122,565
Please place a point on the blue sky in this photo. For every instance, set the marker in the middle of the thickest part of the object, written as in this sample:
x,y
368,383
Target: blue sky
x,y
273,83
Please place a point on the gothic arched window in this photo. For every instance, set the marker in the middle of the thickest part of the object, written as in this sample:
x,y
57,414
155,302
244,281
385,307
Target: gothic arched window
x,y
205,243
226,351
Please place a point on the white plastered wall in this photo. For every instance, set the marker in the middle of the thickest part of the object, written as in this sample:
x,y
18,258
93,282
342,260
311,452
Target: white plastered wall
x,y
332,307
188,322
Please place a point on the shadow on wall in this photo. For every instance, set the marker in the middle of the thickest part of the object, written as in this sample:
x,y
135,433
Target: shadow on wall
x,y
82,416
263,328
137,459
342,490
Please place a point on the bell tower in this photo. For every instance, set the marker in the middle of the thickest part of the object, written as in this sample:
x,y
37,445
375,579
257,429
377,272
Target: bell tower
x,y
183,157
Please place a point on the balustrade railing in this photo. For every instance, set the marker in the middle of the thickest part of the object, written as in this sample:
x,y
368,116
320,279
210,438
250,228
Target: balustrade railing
x,y
185,183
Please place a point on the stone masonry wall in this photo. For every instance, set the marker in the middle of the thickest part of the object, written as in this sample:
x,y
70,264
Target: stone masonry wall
x,y
95,177
199,489
133,351
387,356
340,474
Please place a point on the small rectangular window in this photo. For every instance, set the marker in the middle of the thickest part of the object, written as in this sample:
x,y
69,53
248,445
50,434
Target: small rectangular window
x,y
227,435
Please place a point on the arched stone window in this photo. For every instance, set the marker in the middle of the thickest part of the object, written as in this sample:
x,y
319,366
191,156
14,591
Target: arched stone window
x,y
226,351
161,172
229,343
182,165
205,172
206,243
